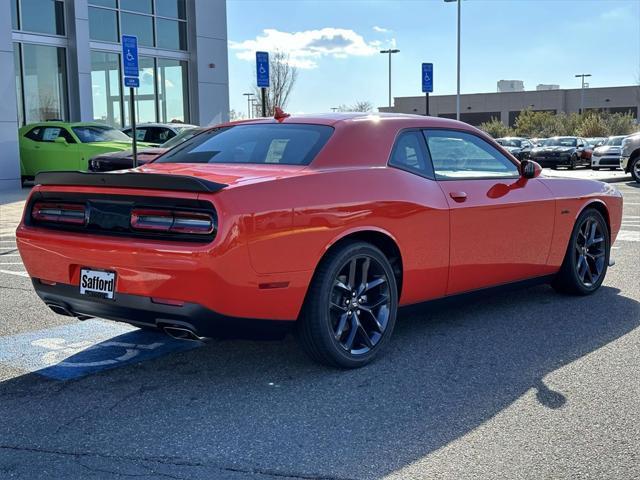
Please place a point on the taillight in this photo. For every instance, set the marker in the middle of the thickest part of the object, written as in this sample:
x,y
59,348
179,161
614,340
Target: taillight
x,y
172,221
69,213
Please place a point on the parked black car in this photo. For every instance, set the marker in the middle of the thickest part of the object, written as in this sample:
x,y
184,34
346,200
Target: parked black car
x,y
563,151
517,146
107,162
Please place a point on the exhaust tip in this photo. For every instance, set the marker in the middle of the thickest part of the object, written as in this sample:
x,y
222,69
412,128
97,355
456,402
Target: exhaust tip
x,y
181,333
60,309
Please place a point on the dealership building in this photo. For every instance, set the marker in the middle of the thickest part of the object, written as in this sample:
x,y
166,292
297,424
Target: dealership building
x,y
476,108
60,59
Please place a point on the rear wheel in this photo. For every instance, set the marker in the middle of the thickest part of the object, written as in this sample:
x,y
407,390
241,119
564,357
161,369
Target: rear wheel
x,y
595,168
635,169
350,311
587,257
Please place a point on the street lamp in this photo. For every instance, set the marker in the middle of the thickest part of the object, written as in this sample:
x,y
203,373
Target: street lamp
x,y
248,95
583,76
458,90
390,51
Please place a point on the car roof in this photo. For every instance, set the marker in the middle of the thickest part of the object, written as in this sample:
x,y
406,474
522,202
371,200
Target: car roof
x,y
347,118
65,124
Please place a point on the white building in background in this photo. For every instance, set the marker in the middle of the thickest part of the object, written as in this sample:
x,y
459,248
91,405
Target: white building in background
x,y
60,59
547,86
510,86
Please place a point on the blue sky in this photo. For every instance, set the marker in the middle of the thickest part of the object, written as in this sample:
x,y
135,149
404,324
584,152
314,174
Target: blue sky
x,y
335,45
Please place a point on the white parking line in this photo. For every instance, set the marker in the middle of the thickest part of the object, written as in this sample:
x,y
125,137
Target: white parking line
x,y
19,274
12,263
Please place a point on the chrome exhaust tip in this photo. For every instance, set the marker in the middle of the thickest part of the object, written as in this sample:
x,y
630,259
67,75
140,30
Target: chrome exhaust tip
x,y
60,309
181,333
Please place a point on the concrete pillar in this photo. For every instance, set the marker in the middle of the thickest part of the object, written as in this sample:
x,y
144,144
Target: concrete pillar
x,y
79,55
209,63
9,155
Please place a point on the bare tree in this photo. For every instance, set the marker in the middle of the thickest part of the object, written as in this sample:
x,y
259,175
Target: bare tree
x,y
282,79
361,106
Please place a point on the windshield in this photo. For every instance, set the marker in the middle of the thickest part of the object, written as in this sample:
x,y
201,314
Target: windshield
x,y
509,142
183,136
283,144
98,133
614,141
560,142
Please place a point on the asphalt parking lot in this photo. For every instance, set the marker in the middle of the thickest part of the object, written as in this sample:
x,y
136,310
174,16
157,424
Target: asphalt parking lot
x,y
531,384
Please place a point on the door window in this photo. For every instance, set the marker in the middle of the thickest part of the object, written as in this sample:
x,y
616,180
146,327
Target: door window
x,y
459,155
409,153
158,135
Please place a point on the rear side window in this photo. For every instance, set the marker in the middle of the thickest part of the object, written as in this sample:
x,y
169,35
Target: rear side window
x,y
35,134
283,144
410,153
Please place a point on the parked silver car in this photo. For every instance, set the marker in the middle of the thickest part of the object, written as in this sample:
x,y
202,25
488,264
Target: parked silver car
x,y
630,155
608,154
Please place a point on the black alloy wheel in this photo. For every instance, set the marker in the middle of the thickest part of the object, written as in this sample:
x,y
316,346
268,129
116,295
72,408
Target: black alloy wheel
x,y
587,257
350,309
360,304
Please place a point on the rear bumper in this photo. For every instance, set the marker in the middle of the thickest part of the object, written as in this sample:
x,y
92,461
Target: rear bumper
x,y
143,311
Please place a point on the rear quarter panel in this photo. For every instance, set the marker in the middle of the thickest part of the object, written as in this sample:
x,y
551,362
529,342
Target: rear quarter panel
x,y
290,223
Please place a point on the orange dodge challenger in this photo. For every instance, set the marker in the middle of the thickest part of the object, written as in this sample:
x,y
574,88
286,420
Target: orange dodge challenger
x,y
327,222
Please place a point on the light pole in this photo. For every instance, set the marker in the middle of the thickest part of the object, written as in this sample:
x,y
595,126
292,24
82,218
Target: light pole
x,y
390,51
248,95
458,74
582,76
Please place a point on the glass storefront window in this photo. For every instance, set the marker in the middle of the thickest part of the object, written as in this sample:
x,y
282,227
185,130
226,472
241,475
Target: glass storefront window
x,y
173,96
145,95
139,25
103,3
14,14
42,16
171,9
142,6
171,34
105,88
103,24
44,83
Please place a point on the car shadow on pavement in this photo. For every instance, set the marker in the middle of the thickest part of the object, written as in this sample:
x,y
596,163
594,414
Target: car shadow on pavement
x,y
264,408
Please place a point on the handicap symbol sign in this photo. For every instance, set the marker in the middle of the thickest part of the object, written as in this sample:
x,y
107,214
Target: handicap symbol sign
x,y
262,69
85,348
427,77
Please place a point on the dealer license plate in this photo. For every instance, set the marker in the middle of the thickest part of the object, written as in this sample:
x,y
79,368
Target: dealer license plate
x,y
97,283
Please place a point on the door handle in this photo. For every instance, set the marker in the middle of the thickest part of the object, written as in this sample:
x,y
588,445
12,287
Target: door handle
x,y
458,196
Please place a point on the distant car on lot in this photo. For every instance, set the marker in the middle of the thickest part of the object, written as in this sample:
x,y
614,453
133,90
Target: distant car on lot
x,y
107,162
630,155
596,141
537,142
517,146
563,152
608,154
50,146
324,223
156,133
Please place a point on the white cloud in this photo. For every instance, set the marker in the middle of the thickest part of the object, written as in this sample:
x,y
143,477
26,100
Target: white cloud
x,y
381,29
307,47
614,14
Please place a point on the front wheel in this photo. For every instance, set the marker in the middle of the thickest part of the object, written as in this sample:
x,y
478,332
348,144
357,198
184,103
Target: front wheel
x,y
587,257
351,306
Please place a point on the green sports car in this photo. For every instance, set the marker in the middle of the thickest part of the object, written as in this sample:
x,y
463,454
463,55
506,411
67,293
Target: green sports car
x,y
49,146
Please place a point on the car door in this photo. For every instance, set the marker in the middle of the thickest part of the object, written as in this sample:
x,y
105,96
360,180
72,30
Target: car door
x,y
43,153
501,224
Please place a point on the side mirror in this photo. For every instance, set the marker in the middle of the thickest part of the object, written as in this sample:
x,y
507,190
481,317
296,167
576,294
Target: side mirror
x,y
530,169
60,140
581,145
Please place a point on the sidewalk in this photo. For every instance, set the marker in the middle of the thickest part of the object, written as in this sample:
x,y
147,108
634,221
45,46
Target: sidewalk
x,y
13,195
609,176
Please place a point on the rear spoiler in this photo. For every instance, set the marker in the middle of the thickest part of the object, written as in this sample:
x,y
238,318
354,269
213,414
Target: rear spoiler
x,y
153,181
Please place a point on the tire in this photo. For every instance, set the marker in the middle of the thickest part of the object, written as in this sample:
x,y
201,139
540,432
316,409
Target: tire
x,y
572,162
595,168
634,168
574,278
345,321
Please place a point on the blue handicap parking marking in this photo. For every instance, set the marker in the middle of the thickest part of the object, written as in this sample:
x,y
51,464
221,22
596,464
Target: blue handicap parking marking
x,y
84,348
